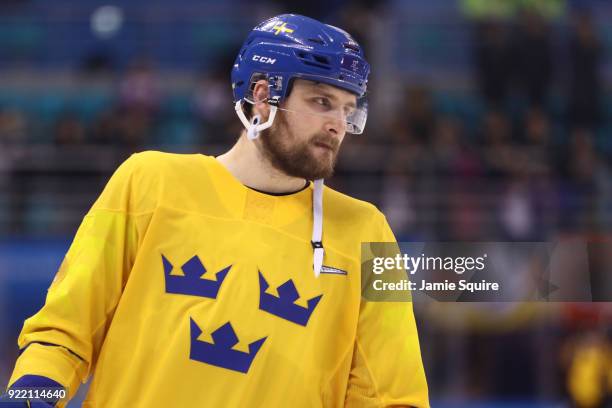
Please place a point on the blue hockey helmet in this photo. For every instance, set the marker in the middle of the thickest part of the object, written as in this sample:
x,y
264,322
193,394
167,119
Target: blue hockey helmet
x,y
291,46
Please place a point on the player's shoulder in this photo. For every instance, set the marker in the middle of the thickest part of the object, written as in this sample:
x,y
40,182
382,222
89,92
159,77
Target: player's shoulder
x,y
151,178
152,165
349,220
163,161
344,206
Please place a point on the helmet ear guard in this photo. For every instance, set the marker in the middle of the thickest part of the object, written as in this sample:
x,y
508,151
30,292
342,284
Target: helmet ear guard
x,y
253,126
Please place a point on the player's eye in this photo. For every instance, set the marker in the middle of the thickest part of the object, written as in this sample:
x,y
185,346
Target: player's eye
x,y
322,101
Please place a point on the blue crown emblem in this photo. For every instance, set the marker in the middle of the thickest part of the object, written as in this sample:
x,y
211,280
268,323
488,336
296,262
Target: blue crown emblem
x,y
283,306
192,283
219,353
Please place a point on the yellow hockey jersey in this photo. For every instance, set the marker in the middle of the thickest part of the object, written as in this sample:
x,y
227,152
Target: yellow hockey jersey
x,y
184,288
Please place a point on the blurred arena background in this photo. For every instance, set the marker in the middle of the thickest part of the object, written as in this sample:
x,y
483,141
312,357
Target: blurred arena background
x,y
490,120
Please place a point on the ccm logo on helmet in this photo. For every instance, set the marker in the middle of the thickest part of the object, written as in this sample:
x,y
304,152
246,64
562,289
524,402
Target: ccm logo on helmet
x,y
265,60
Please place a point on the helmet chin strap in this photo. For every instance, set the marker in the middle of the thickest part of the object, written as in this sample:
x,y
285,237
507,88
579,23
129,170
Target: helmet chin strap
x,y
317,227
253,127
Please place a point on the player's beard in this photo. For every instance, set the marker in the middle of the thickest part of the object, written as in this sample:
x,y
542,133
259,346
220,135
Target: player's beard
x,y
298,159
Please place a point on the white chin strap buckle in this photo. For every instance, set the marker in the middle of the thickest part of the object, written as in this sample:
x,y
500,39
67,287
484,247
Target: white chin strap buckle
x,y
252,131
318,253
254,127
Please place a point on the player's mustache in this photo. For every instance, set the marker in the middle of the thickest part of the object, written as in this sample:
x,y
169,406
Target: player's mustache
x,y
329,141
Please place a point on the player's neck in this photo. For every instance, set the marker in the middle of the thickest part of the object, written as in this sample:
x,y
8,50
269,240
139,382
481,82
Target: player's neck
x,y
244,162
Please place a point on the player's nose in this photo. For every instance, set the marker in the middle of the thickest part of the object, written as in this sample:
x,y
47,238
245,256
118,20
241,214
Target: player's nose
x,y
336,126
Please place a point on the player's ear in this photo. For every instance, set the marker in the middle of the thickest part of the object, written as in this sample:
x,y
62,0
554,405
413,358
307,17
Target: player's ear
x,y
260,97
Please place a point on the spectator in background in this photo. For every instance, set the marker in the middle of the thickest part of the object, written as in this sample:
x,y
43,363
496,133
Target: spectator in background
x,y
537,141
105,129
589,378
456,171
585,84
134,128
496,134
540,170
450,156
139,90
69,131
139,100
579,192
396,198
416,117
536,126
506,168
13,139
212,106
13,127
517,204
124,129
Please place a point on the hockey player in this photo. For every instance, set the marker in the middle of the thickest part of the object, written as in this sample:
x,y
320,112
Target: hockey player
x,y
234,281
